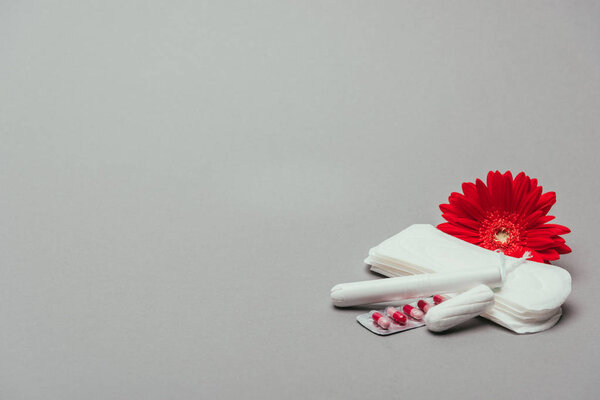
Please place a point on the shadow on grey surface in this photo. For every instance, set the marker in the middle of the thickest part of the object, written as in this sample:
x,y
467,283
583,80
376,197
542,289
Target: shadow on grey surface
x,y
362,308
568,312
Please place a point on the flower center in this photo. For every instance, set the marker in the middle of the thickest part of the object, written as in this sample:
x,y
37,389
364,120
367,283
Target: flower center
x,y
501,230
502,235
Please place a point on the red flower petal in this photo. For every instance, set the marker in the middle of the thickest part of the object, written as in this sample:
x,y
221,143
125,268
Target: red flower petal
x,y
538,242
484,195
496,186
563,249
446,208
540,220
470,191
530,201
549,254
459,233
535,256
561,230
508,191
470,224
456,229
546,202
467,207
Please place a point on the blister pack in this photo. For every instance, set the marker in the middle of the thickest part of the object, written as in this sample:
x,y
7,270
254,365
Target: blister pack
x,y
398,319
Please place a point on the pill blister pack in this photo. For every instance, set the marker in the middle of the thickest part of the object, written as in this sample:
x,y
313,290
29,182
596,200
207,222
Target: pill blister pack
x,y
393,320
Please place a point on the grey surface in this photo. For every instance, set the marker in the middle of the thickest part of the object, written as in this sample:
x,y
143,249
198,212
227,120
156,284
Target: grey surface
x,y
182,183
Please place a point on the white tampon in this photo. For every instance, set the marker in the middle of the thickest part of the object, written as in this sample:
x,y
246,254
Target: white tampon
x,y
410,287
459,309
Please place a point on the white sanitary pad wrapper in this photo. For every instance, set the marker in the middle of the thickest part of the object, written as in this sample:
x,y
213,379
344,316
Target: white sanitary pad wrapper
x,y
529,301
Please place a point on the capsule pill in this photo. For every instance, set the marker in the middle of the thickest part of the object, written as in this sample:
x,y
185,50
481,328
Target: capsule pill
x,y
423,305
412,312
396,315
382,321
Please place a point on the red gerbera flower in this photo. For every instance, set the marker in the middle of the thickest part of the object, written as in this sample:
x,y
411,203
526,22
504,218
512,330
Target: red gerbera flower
x,y
510,215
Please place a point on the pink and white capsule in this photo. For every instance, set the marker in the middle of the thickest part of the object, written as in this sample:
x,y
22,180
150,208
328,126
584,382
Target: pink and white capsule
x,y
382,321
438,298
396,315
423,305
412,312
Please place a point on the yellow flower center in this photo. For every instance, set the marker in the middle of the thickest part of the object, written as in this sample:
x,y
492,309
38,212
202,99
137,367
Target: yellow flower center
x,y
502,235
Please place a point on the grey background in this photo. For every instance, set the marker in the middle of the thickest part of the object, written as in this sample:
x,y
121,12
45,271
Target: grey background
x,y
183,182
